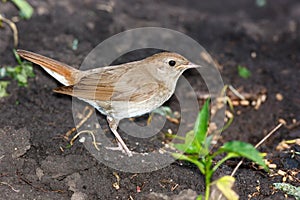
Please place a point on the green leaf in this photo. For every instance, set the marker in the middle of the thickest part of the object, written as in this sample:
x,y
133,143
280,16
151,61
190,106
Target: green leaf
x,y
243,72
245,150
17,56
163,111
193,160
289,189
224,184
11,71
187,148
199,197
28,70
22,80
197,143
190,146
20,72
201,124
3,86
25,8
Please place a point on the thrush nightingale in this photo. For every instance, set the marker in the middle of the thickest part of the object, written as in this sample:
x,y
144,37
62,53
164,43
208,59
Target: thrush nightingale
x,y
120,91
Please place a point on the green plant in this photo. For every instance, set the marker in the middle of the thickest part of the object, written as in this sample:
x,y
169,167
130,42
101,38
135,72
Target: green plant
x,y
196,149
289,189
25,8
243,72
261,3
20,73
3,86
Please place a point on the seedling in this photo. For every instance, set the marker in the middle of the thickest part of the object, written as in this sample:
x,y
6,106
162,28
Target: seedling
x,y
244,72
25,8
3,86
21,73
196,149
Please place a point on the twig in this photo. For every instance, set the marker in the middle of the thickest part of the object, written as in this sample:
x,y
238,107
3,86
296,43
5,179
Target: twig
x,y
236,93
257,145
116,185
86,131
13,27
11,187
91,111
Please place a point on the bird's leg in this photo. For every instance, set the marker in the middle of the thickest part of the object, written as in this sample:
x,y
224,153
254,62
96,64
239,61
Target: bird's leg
x,y
113,125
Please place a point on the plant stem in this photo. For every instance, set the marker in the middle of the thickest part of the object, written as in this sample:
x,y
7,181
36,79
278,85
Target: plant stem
x,y
229,156
208,175
207,187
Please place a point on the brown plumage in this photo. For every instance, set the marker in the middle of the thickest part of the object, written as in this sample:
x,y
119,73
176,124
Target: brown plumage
x,y
66,71
120,91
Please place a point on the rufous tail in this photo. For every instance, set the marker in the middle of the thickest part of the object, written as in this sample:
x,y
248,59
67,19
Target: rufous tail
x,y
65,74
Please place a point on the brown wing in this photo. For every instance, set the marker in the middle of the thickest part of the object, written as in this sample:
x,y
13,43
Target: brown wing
x,y
116,84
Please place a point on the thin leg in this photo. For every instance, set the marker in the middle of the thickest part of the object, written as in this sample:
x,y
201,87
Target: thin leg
x,y
113,124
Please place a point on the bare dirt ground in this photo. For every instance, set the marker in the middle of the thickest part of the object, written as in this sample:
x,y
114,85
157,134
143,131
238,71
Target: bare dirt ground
x,y
265,39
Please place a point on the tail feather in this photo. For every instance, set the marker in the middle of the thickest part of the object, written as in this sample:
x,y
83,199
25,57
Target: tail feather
x,y
68,90
65,74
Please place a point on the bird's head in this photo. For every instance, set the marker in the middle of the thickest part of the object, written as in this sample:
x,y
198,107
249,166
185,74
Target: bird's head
x,y
168,63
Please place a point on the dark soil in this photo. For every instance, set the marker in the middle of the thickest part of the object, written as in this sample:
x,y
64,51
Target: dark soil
x,y
32,164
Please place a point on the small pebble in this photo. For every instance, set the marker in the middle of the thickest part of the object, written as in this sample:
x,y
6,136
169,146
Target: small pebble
x,y
272,166
263,98
244,103
253,54
235,103
279,97
281,173
82,140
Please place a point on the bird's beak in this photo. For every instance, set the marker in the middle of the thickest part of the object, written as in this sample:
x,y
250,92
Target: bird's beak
x,y
187,66
192,65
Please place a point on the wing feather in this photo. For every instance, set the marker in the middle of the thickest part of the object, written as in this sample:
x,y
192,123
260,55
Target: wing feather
x,y
108,85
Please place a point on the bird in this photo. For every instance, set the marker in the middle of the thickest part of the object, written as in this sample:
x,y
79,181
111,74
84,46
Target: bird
x,y
119,91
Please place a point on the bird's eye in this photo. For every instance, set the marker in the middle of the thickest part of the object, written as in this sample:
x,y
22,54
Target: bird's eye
x,y
172,63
